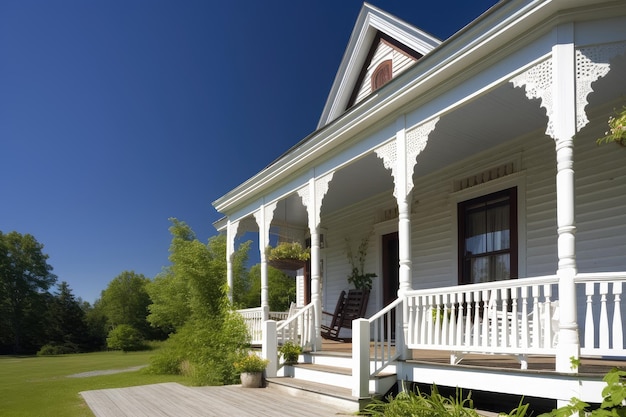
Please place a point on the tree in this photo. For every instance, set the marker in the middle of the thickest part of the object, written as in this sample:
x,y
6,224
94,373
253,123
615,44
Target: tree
x,y
67,323
25,278
191,298
126,301
125,338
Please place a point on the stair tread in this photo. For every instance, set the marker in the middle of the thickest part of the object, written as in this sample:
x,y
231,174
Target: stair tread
x,y
311,386
325,368
336,369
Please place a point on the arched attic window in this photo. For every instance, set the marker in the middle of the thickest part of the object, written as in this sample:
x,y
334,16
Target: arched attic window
x,y
381,75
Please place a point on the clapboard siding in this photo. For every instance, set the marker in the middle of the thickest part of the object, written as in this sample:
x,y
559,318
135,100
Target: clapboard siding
x,y
600,202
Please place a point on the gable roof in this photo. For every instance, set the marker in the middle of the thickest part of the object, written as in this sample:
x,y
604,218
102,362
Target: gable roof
x,y
371,26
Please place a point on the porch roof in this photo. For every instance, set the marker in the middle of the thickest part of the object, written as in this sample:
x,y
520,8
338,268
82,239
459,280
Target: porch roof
x,y
455,82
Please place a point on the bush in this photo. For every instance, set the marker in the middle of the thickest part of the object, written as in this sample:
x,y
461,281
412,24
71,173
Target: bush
x,y
54,349
205,350
251,363
126,338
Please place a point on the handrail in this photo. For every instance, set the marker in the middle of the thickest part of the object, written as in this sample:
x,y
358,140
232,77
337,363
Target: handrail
x,y
299,328
386,336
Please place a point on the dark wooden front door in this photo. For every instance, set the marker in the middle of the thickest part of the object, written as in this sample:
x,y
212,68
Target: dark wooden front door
x,y
391,265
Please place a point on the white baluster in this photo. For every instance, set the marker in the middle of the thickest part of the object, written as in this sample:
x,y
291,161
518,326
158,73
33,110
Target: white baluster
x,y
504,325
547,319
536,330
604,319
514,319
589,328
524,330
618,335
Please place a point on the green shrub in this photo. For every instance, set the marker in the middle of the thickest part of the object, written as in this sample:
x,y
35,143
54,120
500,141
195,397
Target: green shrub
x,y
205,350
416,403
125,338
54,349
251,363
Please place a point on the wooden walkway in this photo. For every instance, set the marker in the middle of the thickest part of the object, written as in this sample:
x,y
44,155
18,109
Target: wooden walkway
x,y
175,400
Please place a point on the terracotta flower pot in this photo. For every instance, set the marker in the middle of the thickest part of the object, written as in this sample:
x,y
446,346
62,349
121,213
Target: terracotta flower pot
x,y
251,379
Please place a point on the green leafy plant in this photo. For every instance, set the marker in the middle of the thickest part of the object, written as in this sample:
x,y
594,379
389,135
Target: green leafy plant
x,y
288,250
290,351
613,403
617,129
416,403
251,363
358,277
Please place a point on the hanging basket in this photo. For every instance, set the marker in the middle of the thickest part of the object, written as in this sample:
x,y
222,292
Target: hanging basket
x,y
287,264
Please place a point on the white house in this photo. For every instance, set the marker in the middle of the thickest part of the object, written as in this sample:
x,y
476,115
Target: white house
x,y
496,224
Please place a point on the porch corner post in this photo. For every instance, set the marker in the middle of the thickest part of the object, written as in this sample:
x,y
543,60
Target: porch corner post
x,y
564,123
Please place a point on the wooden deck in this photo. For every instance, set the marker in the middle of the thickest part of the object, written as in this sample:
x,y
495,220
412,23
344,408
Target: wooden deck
x,y
176,400
172,399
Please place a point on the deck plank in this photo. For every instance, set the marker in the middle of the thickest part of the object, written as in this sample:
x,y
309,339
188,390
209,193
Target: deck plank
x,y
172,399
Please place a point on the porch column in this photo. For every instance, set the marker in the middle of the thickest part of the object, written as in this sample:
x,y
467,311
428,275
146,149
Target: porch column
x,y
400,157
263,219
554,81
312,197
564,121
231,232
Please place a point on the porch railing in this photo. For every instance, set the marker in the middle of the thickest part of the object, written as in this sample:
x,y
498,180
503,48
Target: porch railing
x,y
604,314
299,328
253,318
516,317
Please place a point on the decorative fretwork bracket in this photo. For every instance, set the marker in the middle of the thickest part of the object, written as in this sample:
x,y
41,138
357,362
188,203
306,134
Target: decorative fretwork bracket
x,y
416,141
312,200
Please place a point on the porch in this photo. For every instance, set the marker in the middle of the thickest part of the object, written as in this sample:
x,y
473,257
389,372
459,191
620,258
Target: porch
x,y
500,337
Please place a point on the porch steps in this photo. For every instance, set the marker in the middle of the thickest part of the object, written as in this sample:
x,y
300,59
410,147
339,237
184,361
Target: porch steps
x,y
329,376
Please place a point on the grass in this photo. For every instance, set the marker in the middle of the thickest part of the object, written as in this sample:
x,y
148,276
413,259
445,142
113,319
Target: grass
x,y
32,386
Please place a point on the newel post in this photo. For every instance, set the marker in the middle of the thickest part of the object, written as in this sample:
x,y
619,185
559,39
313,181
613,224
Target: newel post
x,y
269,349
360,358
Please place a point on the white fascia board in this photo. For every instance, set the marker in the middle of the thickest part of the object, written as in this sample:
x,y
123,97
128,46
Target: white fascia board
x,y
369,21
487,35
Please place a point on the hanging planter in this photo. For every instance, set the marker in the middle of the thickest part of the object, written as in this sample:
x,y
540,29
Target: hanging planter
x,y
289,256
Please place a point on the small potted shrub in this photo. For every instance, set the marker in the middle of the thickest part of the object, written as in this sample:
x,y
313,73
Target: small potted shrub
x,y
251,368
291,352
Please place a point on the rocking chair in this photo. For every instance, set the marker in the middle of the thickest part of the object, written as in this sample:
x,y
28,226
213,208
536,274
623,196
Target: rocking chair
x,y
349,307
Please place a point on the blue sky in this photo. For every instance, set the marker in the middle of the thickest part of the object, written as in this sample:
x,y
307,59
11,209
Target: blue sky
x,y
118,114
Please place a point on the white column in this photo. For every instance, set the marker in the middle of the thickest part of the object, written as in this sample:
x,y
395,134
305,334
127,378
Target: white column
x,y
564,122
312,197
400,156
231,233
263,219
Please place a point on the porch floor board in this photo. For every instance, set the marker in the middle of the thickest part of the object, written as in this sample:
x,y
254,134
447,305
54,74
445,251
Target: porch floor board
x,y
589,366
174,400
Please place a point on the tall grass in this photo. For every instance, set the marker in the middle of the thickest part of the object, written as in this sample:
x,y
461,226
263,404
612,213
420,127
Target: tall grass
x,y
43,386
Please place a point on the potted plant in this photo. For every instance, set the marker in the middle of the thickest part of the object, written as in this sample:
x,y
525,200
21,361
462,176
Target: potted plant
x,y
291,352
287,255
251,368
617,129
358,277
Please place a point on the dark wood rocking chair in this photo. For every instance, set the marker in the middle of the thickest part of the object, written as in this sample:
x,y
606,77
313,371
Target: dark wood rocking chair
x,y
349,307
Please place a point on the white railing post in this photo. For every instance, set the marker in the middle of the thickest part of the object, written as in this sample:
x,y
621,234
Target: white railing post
x,y
360,358
269,349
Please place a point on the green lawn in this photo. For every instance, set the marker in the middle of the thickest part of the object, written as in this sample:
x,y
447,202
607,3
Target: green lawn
x,y
41,387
